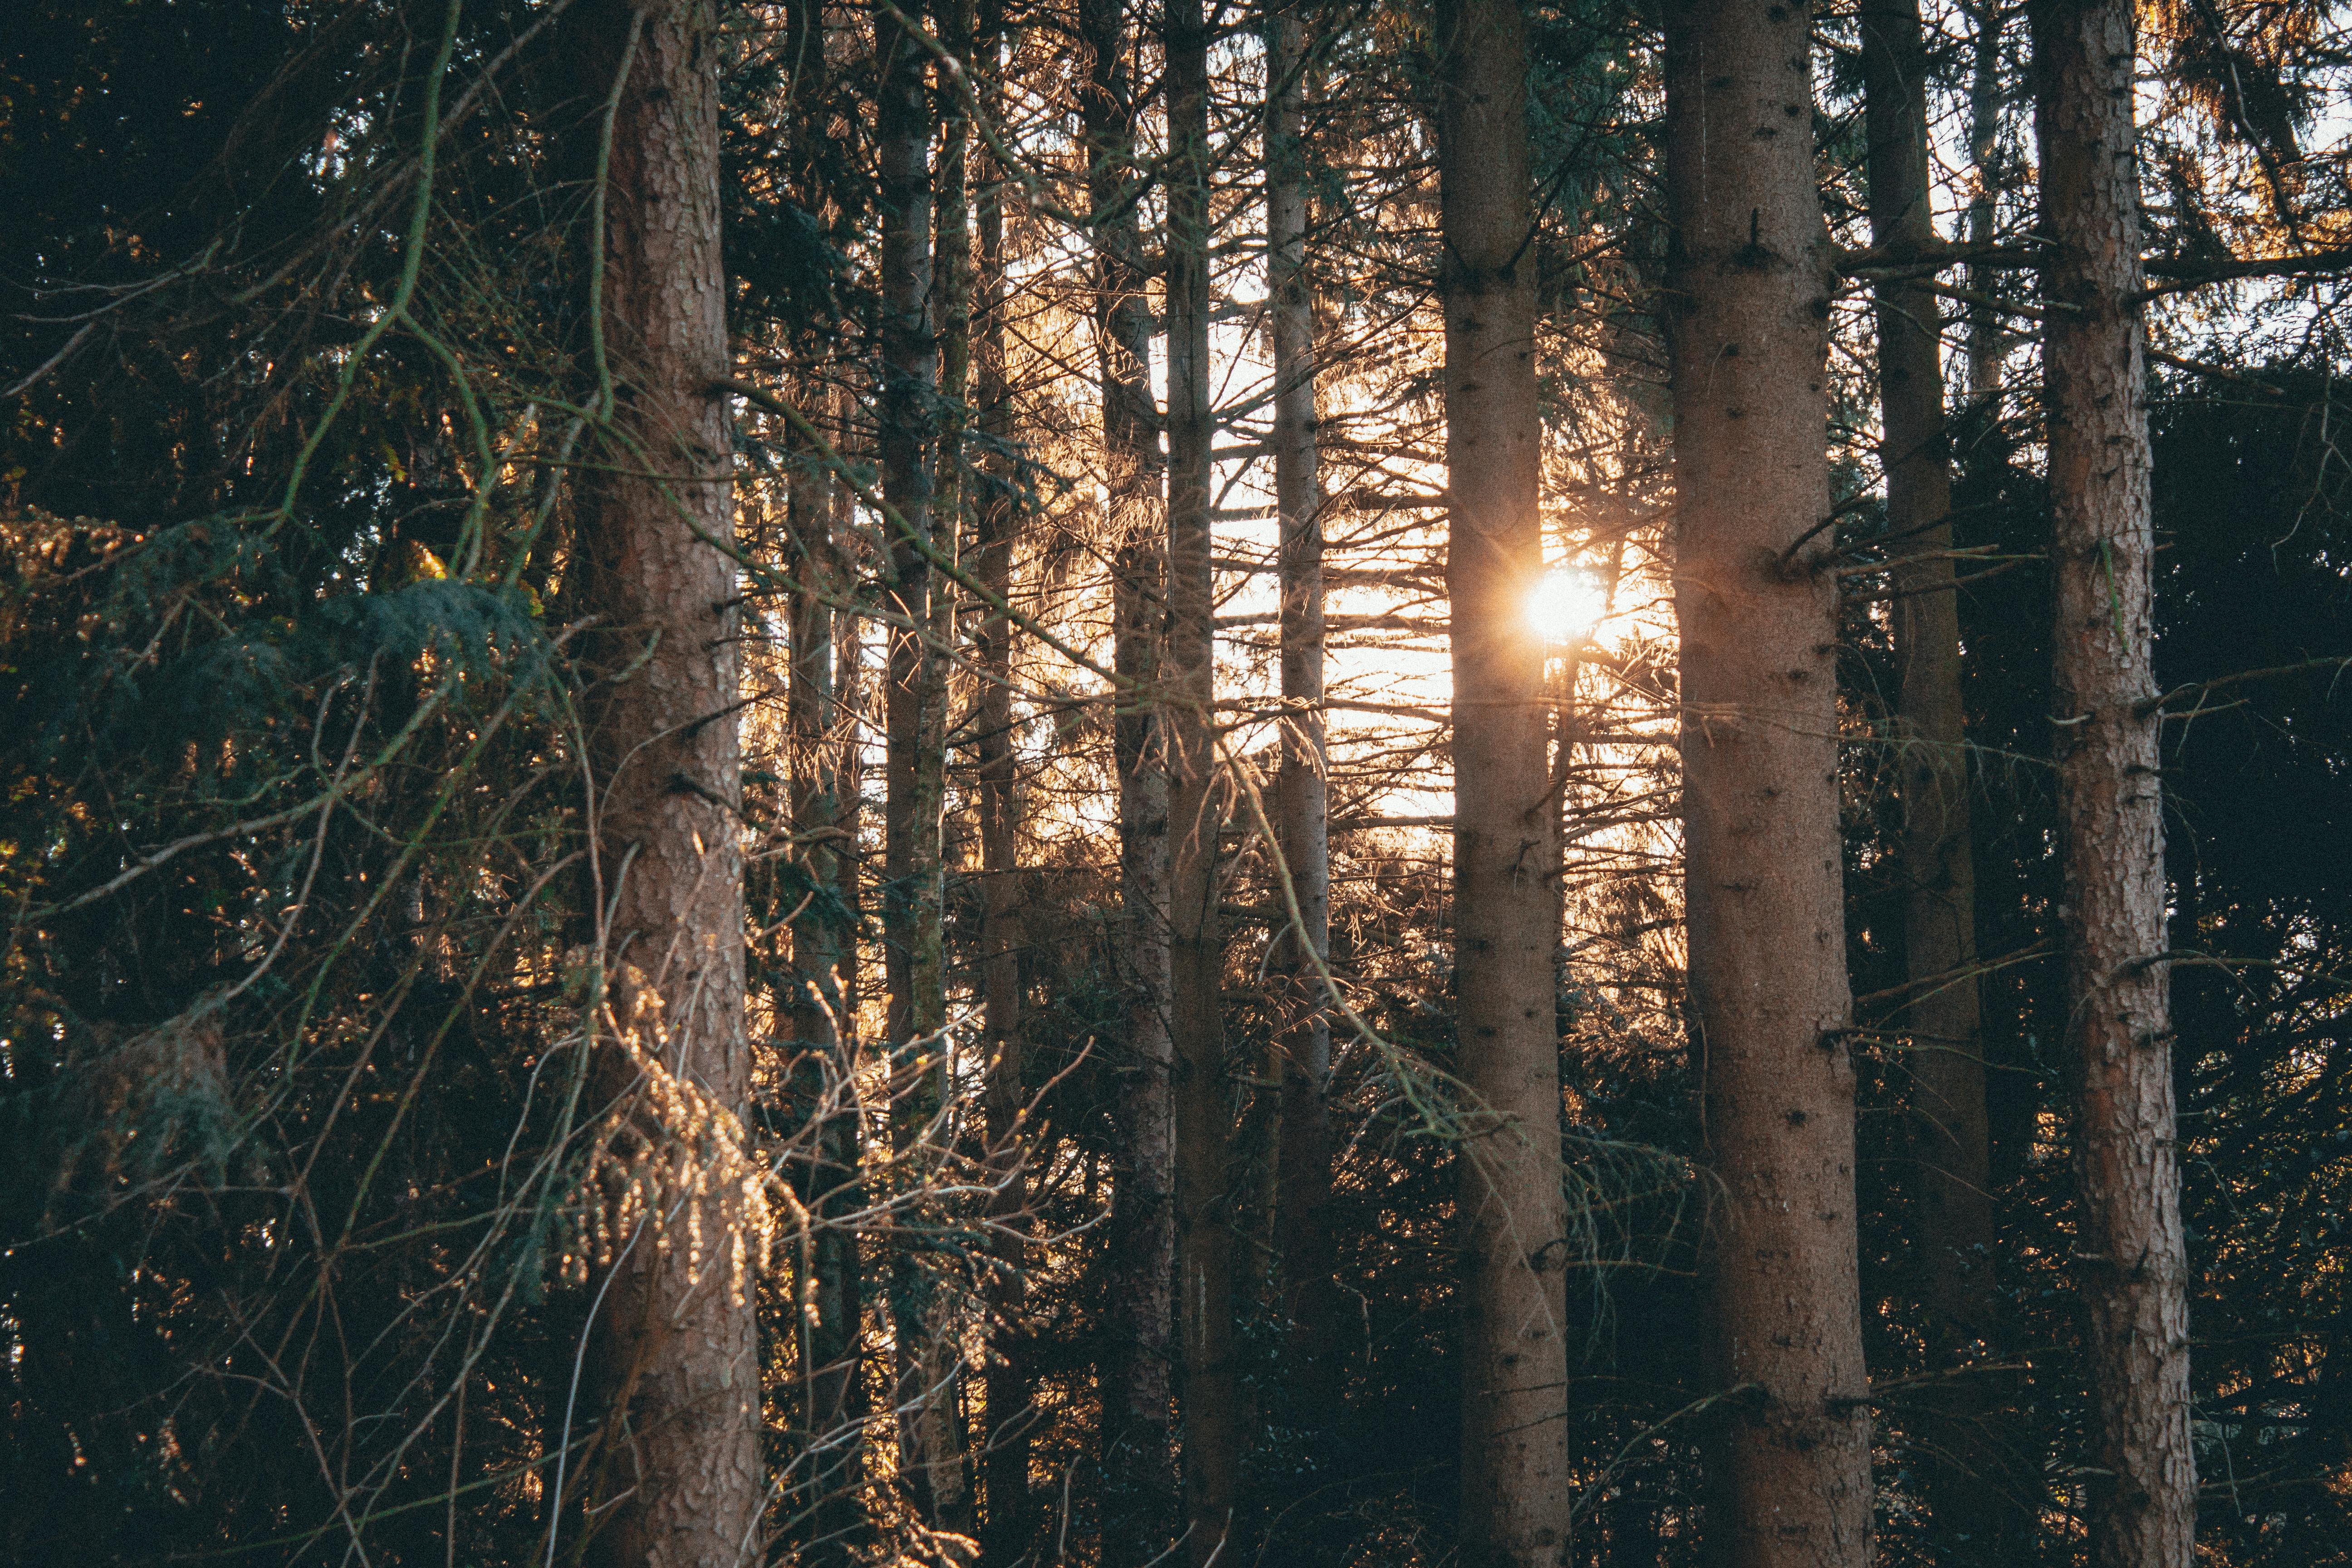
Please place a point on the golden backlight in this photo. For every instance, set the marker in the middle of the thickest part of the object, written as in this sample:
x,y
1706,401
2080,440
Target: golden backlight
x,y
1565,604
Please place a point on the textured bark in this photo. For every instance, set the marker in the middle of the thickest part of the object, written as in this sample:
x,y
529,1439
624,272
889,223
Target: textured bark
x,y
1205,1282
2131,1266
1011,1393
1748,277
1970,1491
675,1347
1302,807
1139,1496
910,368
1513,1207
823,1028
915,717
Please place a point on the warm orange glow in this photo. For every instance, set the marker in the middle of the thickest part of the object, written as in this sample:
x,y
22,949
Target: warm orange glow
x,y
1566,604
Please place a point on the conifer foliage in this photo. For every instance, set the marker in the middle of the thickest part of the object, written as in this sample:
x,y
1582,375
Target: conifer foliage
x,y
1117,781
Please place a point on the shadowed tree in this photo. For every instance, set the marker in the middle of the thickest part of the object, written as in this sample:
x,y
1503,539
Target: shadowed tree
x,y
1138,1497
1310,1297
1203,1112
1012,1416
1513,1205
1969,1487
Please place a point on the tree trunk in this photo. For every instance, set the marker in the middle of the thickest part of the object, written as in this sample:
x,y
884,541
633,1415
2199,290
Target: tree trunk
x,y
1968,1485
854,703
942,1424
908,392
1012,1415
1302,807
1139,1493
1985,338
2013,1089
823,1026
1211,1416
1749,285
1138,1498
915,716
2132,1268
675,1347
910,363
1513,1207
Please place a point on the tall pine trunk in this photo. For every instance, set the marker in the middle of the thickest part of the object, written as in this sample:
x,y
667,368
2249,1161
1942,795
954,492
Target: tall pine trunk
x,y
1985,337
674,1344
1139,1496
2131,1266
1968,1488
1302,804
914,709
1749,285
1512,1204
1011,1393
942,1426
1204,1285
907,437
822,1025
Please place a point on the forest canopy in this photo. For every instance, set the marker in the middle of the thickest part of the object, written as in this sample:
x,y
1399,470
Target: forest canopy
x,y
1480,783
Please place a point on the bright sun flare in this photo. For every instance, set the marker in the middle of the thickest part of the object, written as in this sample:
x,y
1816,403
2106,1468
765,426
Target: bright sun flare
x,y
1565,604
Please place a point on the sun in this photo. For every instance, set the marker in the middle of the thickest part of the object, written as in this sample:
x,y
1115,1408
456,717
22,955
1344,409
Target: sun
x,y
1565,604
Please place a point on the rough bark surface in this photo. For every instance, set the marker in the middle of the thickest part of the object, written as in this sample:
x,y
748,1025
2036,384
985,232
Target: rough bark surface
x,y
2130,1259
1302,801
1968,1488
1749,283
1204,1285
1512,1204
675,1346
1138,1494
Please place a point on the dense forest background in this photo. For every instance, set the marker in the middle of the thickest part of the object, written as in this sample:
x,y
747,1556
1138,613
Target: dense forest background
x,y
729,798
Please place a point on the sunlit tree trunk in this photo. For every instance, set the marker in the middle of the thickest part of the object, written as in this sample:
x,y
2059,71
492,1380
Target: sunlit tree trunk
x,y
1205,1287
1748,287
2131,1265
1012,1415
1974,1520
1302,807
1138,1494
675,1353
1513,1209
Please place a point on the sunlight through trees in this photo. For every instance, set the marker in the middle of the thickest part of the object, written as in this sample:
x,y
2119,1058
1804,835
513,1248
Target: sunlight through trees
x,y
1473,784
